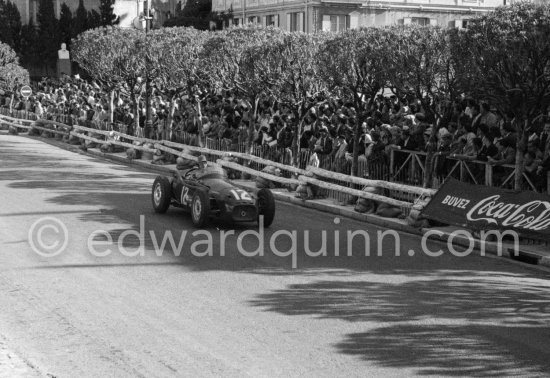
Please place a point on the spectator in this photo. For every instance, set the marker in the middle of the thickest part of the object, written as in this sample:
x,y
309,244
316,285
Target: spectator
x,y
443,165
533,147
487,117
544,140
375,151
488,149
530,164
506,152
339,158
226,119
285,137
471,150
323,146
542,174
507,131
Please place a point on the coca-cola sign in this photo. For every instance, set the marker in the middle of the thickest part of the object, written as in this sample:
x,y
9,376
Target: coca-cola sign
x,y
482,207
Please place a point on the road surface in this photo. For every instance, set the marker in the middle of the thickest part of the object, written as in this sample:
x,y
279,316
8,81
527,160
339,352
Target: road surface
x,y
123,311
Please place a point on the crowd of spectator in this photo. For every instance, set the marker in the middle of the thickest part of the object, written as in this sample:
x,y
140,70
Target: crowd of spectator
x,y
474,131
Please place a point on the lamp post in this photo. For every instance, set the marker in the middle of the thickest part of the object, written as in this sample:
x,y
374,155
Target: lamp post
x,y
148,121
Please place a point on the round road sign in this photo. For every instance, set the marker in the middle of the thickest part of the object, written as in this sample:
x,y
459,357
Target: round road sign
x,y
26,91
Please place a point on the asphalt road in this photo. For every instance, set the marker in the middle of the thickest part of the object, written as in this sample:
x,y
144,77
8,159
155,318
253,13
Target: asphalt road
x,y
169,312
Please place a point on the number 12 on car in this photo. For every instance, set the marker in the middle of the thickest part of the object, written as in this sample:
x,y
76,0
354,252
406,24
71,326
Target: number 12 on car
x,y
240,194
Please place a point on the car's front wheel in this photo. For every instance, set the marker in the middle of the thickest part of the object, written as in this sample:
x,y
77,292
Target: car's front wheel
x,y
161,194
266,206
200,208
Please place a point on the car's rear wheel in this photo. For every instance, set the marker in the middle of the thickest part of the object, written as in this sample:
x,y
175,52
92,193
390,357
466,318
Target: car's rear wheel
x,y
266,206
200,208
161,194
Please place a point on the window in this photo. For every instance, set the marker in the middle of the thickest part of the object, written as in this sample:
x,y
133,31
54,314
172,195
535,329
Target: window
x,y
272,20
422,21
335,22
295,21
461,24
254,20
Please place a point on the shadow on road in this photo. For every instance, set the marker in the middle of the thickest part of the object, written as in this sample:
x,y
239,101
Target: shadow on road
x,y
479,351
461,325
445,316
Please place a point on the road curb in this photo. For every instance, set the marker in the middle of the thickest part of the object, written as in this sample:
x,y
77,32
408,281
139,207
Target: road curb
x,y
494,249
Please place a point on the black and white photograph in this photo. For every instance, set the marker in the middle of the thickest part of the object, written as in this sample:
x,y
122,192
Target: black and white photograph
x,y
274,188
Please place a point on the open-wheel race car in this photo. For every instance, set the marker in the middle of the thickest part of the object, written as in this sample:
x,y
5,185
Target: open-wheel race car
x,y
207,193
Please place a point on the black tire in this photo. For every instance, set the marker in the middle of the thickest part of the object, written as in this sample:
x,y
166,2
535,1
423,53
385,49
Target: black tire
x,y
161,194
200,208
266,206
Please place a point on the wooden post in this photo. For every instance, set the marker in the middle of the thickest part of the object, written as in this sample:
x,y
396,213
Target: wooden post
x,y
488,174
413,169
392,162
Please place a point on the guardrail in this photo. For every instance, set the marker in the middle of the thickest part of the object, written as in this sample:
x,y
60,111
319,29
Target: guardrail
x,y
248,163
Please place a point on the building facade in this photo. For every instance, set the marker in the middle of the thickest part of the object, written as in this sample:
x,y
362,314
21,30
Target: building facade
x,y
335,15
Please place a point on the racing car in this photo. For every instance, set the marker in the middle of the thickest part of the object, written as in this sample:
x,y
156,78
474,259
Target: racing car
x,y
207,193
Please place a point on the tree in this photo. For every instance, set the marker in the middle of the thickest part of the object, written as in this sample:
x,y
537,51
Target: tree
x,y
108,18
510,52
29,44
233,61
5,30
12,75
94,19
10,24
197,8
175,53
7,55
66,24
115,58
197,14
352,65
294,58
48,31
80,22
419,58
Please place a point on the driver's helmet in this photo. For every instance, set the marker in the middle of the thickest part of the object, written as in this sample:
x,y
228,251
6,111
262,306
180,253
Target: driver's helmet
x,y
202,162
